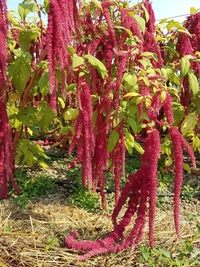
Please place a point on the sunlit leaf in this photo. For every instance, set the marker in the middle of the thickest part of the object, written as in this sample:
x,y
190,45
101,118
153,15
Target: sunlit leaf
x,y
131,94
129,142
62,102
98,65
140,22
130,79
112,140
168,161
25,9
189,123
146,13
25,37
138,147
19,71
77,61
194,84
145,62
185,66
139,100
147,102
123,28
186,167
163,96
97,4
193,10
71,114
43,164
184,31
166,72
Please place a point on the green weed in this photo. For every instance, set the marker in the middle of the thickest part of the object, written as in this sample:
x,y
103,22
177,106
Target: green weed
x,y
31,187
82,198
187,255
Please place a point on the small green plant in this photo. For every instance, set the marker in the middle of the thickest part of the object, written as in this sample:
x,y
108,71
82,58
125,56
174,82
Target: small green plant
x,y
187,255
31,187
84,199
52,242
188,192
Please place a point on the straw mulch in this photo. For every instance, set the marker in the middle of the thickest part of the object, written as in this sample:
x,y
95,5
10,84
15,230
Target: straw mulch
x,y
35,237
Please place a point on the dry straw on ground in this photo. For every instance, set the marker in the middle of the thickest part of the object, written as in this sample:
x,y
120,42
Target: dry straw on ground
x,y
35,237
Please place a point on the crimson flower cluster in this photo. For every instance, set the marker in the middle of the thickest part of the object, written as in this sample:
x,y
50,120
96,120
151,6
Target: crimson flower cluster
x,y
138,191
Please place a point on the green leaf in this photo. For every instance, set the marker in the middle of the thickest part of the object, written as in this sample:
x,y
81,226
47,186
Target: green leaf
x,y
97,4
145,62
173,24
19,71
25,37
13,97
163,96
98,65
183,30
28,115
178,112
70,87
166,253
46,5
130,79
112,140
43,164
122,28
145,13
70,114
138,147
45,115
25,9
168,161
29,158
129,142
193,10
8,229
43,83
193,82
139,100
131,94
140,22
15,123
77,61
186,167
147,54
166,72
132,123
195,143
185,66
62,102
189,123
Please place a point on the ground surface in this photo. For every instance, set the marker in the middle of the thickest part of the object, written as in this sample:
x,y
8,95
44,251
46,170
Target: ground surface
x,y
34,237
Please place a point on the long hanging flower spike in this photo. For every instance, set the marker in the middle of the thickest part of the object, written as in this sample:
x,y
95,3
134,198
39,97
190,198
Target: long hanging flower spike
x,y
178,141
139,187
178,156
6,153
61,23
